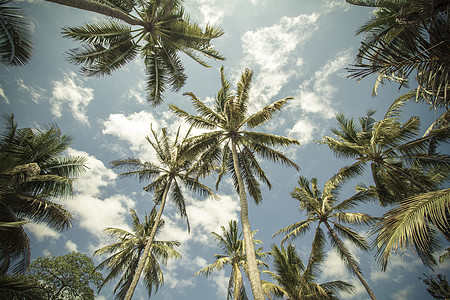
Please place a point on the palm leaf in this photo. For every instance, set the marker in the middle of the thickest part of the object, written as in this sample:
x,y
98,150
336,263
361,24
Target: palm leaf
x,y
407,226
16,44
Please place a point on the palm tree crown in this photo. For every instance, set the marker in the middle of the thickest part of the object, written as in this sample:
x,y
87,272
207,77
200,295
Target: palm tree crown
x,y
33,174
233,254
296,281
127,251
232,143
322,208
161,31
407,36
179,163
402,163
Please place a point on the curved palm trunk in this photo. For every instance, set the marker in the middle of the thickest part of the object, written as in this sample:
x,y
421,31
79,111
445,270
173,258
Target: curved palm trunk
x,y
150,239
92,6
253,272
352,265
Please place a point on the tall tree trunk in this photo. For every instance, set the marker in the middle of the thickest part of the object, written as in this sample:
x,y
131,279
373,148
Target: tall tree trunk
x,y
352,265
150,239
253,272
96,7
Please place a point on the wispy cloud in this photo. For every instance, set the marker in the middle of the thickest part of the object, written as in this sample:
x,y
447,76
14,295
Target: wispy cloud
x,y
93,210
70,92
315,95
36,93
42,231
133,129
3,95
273,52
71,246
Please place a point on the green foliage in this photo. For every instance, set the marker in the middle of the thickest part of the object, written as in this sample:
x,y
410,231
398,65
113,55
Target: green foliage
x,y
178,164
437,286
403,164
322,207
33,174
163,32
233,253
71,276
20,287
296,281
228,123
128,250
405,39
16,45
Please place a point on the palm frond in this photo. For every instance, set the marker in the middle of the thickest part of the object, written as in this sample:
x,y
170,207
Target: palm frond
x,y
16,45
267,113
408,225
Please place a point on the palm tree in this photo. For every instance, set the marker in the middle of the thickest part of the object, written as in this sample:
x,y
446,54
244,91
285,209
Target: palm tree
x,y
128,250
178,164
232,245
412,224
235,146
158,31
33,174
407,171
295,281
16,44
404,37
403,164
323,208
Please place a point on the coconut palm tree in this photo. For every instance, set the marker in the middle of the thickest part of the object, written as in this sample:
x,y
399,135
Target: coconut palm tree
x,y
178,165
128,251
233,253
231,140
295,281
403,37
402,163
158,31
33,174
16,45
322,207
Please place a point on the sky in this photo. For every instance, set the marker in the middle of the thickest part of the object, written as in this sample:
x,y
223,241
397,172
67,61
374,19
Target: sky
x,y
296,49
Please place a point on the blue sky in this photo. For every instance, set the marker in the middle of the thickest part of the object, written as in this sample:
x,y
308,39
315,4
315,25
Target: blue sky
x,y
295,48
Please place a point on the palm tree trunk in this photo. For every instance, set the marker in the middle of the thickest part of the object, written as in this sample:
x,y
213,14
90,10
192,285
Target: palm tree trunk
x,y
352,265
102,9
253,272
148,245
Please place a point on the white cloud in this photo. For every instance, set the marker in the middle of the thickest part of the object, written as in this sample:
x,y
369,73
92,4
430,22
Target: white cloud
x,y
205,216
70,92
133,129
316,95
404,293
303,131
273,52
336,270
93,211
212,11
35,93
42,231
3,95
407,264
71,246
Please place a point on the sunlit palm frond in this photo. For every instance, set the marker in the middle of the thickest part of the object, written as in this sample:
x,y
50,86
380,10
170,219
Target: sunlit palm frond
x,y
267,113
351,236
408,225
